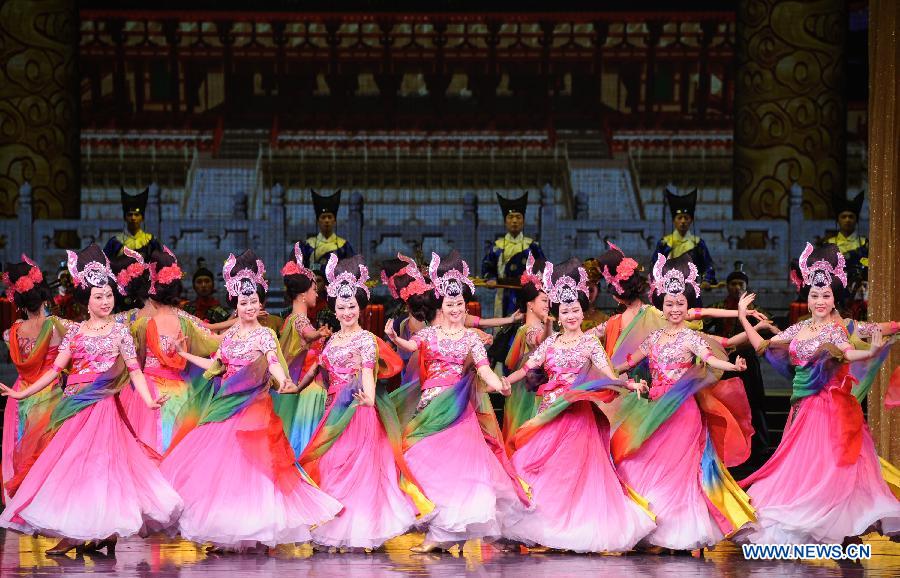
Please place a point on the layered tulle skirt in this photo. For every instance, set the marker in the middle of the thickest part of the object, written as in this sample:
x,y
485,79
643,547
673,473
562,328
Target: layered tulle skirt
x,y
809,492
93,480
666,470
240,484
359,471
580,502
474,497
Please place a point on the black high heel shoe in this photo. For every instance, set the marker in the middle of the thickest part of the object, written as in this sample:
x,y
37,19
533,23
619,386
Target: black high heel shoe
x,y
65,546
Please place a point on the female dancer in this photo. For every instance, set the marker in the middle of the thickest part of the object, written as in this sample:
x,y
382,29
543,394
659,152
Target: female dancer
x,y
462,469
350,453
824,483
229,458
664,449
563,452
33,345
93,480
522,404
623,333
155,336
301,413
405,281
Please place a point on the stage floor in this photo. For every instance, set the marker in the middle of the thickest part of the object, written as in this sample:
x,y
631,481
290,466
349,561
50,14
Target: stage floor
x,y
23,556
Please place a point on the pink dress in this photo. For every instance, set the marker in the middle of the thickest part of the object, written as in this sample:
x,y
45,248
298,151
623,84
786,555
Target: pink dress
x,y
474,497
580,502
666,468
237,490
94,479
359,469
805,493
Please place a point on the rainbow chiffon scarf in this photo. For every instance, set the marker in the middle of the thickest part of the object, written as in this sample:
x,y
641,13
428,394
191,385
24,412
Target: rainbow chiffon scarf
x,y
522,404
340,413
300,413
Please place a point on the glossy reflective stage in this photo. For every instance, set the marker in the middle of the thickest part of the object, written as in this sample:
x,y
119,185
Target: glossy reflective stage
x,y
24,556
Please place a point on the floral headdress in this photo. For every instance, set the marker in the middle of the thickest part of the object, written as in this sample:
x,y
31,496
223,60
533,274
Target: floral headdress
x,y
624,270
821,273
417,286
132,271
450,284
529,276
95,272
245,281
24,283
296,266
565,289
673,282
165,275
344,284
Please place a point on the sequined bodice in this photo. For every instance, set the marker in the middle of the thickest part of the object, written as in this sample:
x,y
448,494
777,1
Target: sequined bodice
x,y
166,345
445,358
343,360
563,363
237,351
802,350
670,360
97,353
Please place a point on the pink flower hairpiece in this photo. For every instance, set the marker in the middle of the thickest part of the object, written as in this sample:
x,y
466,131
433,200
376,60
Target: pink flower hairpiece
x,y
820,273
417,286
244,281
26,282
565,289
166,275
345,284
529,276
296,266
625,269
133,271
94,273
673,282
449,284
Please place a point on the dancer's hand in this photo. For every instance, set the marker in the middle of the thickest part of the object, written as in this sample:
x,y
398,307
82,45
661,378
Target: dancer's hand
x,y
517,316
288,387
639,386
10,392
740,364
744,303
758,315
486,338
767,326
363,398
158,402
262,313
877,339
324,332
389,330
506,387
180,343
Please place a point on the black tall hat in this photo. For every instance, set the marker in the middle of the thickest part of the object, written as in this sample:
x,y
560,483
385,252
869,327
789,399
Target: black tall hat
x,y
681,204
136,203
854,205
738,273
323,204
508,206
